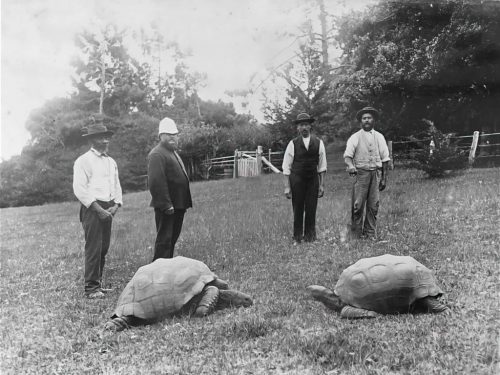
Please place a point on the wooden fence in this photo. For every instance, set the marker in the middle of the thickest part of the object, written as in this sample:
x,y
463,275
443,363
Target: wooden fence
x,y
483,149
243,164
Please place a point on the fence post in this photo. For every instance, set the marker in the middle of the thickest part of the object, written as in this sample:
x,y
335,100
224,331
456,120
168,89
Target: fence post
x,y
235,164
473,147
269,159
258,156
391,162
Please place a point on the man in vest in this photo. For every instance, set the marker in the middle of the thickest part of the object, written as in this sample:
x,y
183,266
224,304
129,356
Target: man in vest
x,y
169,187
97,187
304,167
367,158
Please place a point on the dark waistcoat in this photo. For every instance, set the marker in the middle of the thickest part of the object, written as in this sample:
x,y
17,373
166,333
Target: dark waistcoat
x,y
305,162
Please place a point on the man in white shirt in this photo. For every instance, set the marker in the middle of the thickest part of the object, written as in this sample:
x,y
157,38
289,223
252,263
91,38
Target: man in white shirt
x,y
367,159
304,167
97,187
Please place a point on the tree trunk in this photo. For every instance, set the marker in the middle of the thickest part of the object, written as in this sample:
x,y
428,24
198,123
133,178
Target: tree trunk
x,y
103,81
324,38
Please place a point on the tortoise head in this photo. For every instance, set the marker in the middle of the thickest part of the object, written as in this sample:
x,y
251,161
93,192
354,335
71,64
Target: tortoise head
x,y
326,296
233,298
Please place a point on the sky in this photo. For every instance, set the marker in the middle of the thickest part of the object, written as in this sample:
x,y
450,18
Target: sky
x,y
235,42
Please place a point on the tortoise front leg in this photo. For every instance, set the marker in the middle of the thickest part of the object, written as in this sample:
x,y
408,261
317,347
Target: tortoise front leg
x,y
208,301
350,312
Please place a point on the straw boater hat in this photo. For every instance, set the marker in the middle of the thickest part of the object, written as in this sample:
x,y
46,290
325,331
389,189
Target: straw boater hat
x,y
370,110
97,129
303,117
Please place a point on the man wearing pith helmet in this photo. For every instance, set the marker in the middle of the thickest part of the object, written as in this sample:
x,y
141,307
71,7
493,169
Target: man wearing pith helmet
x,y
304,167
169,187
97,187
367,159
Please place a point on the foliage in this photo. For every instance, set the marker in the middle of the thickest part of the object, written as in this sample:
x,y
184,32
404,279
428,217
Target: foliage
x,y
105,66
29,181
134,96
136,134
441,155
414,60
242,230
306,89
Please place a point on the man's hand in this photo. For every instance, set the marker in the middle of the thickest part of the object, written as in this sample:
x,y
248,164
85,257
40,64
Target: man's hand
x,y
288,193
321,191
352,171
168,211
112,210
382,184
102,214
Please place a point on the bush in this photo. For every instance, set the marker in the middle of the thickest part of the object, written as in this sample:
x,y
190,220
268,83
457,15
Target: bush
x,y
442,156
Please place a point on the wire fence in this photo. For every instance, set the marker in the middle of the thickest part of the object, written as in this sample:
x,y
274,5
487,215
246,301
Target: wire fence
x,y
483,151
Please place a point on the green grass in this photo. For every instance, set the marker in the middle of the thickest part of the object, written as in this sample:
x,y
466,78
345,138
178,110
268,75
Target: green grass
x,y
242,230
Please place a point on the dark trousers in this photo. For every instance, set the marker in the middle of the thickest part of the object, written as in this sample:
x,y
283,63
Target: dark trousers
x,y
168,229
304,203
365,202
97,240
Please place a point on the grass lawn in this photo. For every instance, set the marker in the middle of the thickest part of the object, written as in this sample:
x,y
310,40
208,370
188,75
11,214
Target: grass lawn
x,y
242,230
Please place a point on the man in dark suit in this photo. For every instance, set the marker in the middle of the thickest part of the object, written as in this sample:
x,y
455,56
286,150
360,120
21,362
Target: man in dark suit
x,y
304,167
169,187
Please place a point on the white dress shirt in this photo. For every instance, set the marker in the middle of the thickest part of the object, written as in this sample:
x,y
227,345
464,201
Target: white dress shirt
x,y
290,153
95,177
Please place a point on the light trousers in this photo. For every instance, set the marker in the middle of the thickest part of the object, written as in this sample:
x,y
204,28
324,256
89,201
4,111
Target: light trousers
x,y
365,202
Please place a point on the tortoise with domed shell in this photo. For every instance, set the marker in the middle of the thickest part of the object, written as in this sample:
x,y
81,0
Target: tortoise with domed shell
x,y
385,284
169,287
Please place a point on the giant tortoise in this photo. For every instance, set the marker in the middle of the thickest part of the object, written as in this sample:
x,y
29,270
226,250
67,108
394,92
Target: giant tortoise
x,y
168,287
385,284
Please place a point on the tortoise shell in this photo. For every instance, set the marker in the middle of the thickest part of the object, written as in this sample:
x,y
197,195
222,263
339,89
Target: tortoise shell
x,y
386,284
163,287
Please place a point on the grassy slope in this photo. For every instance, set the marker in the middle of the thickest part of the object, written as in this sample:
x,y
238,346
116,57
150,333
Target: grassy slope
x,y
241,229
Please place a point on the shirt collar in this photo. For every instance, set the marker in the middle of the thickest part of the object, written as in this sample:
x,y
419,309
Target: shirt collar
x,y
98,153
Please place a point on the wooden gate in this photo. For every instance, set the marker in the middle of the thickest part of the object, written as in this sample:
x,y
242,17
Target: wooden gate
x,y
247,166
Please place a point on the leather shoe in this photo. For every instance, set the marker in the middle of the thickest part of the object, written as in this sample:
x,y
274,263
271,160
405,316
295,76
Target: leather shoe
x,y
95,295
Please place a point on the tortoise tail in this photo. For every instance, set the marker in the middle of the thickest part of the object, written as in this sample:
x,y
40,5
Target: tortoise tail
x,y
208,301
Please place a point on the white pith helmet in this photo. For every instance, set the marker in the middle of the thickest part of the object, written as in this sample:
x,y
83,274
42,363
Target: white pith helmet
x,y
167,125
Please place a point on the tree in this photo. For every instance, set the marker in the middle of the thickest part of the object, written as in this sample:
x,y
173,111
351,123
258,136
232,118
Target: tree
x,y
438,60
106,67
306,79
305,92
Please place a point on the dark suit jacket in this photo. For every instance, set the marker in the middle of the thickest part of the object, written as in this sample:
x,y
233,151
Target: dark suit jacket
x,y
167,180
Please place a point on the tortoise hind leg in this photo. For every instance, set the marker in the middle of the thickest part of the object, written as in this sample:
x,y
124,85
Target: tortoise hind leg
x,y
432,305
119,323
350,312
208,301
